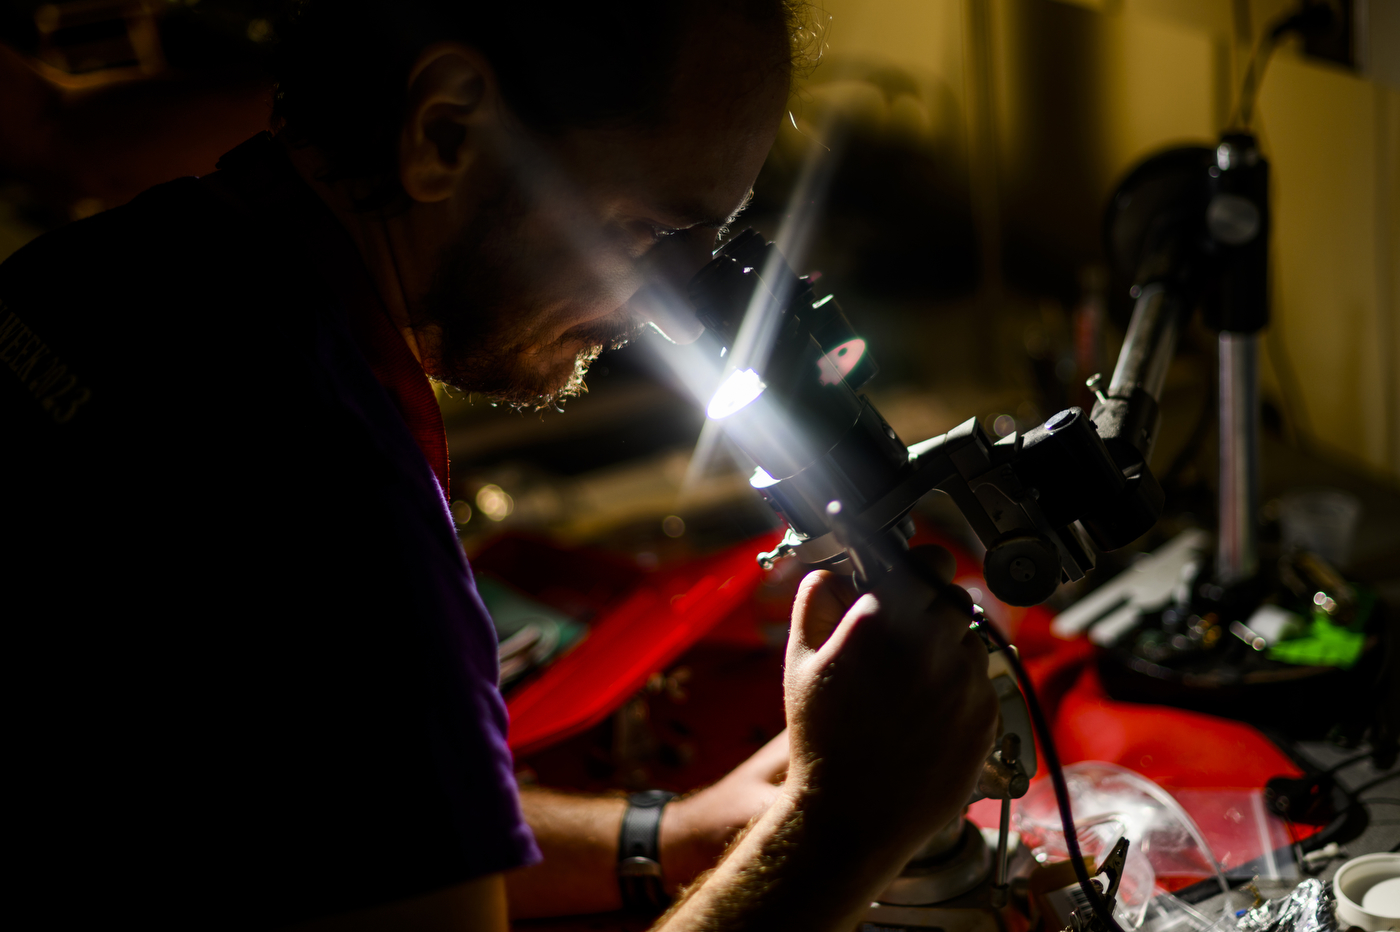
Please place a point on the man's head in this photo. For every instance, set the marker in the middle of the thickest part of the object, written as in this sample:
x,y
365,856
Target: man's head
x,y
554,172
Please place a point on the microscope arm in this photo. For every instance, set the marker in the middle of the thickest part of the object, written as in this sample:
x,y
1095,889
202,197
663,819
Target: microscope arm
x,y
1032,498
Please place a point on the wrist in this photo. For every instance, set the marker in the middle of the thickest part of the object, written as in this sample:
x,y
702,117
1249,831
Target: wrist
x,y
842,816
677,841
639,872
692,840
793,871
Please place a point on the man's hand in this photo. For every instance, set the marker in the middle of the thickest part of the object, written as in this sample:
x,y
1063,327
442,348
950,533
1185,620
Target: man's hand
x,y
696,830
890,717
889,704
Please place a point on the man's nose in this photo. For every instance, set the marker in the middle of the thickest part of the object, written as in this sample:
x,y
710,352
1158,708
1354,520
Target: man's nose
x,y
663,301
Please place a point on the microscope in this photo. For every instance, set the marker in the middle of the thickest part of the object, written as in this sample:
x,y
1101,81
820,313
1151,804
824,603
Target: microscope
x,y
1041,502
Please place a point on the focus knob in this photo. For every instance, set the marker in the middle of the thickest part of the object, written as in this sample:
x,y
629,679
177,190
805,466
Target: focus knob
x,y
1022,570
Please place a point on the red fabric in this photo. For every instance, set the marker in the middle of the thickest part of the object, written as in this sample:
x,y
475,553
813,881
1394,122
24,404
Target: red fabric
x,y
1215,767
1172,747
1175,748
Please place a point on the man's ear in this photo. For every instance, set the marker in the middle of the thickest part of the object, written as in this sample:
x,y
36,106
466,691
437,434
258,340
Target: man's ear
x,y
452,94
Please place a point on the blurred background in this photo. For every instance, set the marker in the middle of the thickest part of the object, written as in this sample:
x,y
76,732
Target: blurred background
x,y
955,158
967,151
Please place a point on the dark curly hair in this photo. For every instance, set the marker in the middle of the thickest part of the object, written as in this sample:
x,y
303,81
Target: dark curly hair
x,y
342,65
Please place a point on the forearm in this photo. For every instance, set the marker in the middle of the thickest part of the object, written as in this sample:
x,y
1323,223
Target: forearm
x,y
797,868
578,837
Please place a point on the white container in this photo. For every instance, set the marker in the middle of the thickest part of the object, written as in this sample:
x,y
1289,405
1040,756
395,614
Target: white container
x,y
1366,892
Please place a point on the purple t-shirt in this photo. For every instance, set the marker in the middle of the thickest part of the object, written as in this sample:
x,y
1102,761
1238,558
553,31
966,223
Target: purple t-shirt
x,y
254,682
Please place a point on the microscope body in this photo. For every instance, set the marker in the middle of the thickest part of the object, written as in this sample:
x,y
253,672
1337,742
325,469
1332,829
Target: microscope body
x,y
1036,500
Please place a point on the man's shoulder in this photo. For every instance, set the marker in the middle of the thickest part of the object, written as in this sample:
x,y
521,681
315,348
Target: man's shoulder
x,y
174,284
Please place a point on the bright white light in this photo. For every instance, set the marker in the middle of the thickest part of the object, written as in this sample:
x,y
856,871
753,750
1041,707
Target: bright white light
x,y
737,392
761,480
699,372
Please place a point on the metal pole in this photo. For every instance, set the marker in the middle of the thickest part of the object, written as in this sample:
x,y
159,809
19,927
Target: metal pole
x,y
1001,891
1148,346
1237,551
1128,413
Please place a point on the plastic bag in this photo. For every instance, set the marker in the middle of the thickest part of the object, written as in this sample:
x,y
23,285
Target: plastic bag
x,y
1111,802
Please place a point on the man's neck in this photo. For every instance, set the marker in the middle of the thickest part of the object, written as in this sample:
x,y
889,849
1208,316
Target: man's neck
x,y
393,248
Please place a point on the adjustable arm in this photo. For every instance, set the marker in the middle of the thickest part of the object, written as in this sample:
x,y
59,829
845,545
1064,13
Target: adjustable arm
x,y
1127,416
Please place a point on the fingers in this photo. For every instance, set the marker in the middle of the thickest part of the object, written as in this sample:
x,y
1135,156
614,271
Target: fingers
x,y
914,616
822,599
908,625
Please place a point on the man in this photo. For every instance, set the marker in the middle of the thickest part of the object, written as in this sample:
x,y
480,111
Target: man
x,y
255,684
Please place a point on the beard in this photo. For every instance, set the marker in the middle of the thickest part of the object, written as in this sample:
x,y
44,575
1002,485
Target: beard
x,y
477,325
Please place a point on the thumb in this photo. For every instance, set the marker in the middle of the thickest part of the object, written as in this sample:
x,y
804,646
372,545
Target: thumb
x,y
822,599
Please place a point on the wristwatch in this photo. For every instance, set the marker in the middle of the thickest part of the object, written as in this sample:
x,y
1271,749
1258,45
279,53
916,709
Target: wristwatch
x,y
639,854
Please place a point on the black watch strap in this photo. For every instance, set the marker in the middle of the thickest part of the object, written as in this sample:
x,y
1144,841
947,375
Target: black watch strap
x,y
639,854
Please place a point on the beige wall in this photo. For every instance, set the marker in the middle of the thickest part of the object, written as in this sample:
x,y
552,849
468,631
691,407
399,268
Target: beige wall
x,y
922,35
1332,138
1150,73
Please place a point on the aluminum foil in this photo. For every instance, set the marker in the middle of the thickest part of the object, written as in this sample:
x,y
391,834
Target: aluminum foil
x,y
1311,907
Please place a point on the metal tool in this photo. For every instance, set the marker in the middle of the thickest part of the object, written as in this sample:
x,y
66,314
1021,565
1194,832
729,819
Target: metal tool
x,y
1085,919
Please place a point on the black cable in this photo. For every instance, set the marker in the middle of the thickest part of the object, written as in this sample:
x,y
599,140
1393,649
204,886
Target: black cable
x,y
1312,18
1355,806
867,553
1057,778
